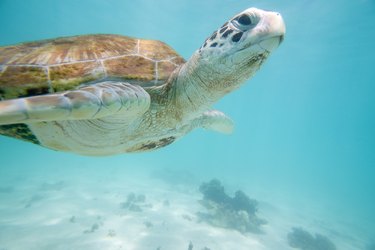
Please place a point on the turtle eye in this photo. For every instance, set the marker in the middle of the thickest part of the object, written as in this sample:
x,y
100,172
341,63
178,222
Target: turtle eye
x,y
244,19
244,22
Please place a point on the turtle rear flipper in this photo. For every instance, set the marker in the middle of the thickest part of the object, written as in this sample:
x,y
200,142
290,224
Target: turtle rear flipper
x,y
215,120
92,102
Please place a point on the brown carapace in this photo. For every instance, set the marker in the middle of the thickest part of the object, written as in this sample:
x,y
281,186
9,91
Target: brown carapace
x,y
66,63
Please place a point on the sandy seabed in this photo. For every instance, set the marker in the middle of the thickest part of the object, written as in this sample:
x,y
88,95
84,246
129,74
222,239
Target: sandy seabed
x,y
139,211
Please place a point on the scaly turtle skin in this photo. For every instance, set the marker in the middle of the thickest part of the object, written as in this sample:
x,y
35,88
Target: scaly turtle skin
x,y
110,94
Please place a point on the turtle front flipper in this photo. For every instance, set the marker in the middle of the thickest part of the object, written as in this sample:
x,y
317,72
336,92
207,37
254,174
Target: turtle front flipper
x,y
91,102
215,120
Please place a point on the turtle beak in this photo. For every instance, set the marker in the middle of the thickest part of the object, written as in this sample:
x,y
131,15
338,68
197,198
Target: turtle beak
x,y
275,23
271,44
275,31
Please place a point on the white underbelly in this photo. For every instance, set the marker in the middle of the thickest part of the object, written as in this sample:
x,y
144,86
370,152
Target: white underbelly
x,y
97,137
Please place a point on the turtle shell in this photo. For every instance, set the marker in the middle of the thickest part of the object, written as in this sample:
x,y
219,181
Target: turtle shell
x,y
60,64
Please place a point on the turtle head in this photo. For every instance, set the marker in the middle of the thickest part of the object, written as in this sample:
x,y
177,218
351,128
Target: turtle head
x,y
236,50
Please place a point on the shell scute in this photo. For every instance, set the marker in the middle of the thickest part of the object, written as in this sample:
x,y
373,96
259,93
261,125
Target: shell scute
x,y
11,54
165,69
65,63
69,76
131,68
23,81
156,50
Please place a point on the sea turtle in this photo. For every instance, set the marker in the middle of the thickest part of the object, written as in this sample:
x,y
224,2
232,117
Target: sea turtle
x,y
110,94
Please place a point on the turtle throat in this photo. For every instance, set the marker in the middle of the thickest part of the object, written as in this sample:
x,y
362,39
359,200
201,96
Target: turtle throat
x,y
199,83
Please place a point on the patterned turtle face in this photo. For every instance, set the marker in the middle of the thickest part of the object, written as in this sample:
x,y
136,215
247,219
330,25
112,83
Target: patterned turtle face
x,y
250,33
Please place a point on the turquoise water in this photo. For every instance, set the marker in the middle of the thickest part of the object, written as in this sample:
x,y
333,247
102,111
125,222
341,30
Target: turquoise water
x,y
303,146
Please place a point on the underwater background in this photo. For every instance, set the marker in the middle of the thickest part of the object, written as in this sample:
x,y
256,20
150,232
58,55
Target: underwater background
x,y
303,145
